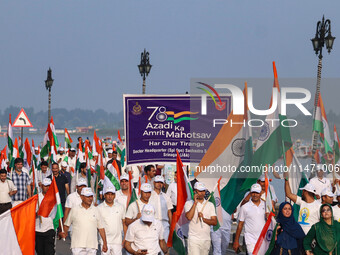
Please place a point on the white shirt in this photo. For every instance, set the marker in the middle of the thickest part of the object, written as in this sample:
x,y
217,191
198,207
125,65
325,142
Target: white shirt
x,y
320,184
254,220
198,231
5,188
41,176
132,210
73,200
309,213
46,223
336,212
112,217
142,236
72,162
162,203
172,192
85,223
121,199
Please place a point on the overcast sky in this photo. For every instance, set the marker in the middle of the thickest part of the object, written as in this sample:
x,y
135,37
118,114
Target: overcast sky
x,y
93,47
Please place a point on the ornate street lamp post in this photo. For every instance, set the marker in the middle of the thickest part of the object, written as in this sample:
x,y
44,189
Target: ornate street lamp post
x,y
144,67
48,84
323,36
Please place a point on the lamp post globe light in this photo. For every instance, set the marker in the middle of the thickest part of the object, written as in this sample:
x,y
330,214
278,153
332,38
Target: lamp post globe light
x,y
48,84
323,36
144,67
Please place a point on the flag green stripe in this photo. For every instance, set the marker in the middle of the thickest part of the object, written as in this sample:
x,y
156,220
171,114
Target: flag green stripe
x,y
177,244
318,126
58,216
113,179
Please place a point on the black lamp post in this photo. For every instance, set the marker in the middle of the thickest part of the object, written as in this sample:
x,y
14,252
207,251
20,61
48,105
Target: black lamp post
x,y
323,36
144,66
48,84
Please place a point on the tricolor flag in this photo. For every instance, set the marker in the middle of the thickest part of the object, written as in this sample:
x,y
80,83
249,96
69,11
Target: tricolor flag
x,y
54,133
176,237
3,158
320,125
266,235
10,138
46,143
215,198
68,139
18,228
231,147
51,205
274,139
121,149
110,176
336,146
15,153
27,154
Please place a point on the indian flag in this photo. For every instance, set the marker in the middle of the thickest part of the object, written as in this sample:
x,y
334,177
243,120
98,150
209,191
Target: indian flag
x,y
10,138
45,149
232,147
18,228
15,153
176,237
54,133
336,146
110,176
121,149
68,139
51,205
27,154
266,235
321,125
215,198
274,139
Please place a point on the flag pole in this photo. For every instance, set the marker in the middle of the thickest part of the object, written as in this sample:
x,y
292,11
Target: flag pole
x,y
97,189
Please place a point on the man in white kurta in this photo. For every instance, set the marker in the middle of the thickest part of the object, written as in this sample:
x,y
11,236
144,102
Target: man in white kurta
x,y
123,194
201,214
85,221
145,236
162,204
113,220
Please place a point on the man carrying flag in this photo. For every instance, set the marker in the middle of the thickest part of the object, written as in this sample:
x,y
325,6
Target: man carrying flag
x,y
85,221
252,216
44,228
201,214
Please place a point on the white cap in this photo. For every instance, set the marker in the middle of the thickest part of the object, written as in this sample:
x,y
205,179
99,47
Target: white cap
x,y
124,177
64,164
337,193
73,149
159,178
110,151
327,192
36,148
87,192
81,182
46,182
262,178
109,188
256,188
309,187
61,149
146,187
95,154
200,186
148,213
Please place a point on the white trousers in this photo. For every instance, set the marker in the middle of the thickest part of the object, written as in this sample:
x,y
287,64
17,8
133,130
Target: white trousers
x,y
113,249
220,240
198,247
84,251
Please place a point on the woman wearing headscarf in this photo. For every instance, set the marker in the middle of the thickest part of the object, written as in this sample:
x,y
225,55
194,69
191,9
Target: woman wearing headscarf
x,y
288,232
326,233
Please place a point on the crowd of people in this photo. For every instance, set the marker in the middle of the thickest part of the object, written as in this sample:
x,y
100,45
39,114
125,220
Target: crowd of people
x,y
142,226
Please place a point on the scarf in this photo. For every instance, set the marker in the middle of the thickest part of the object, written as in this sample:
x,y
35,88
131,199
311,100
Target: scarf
x,y
327,235
291,229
